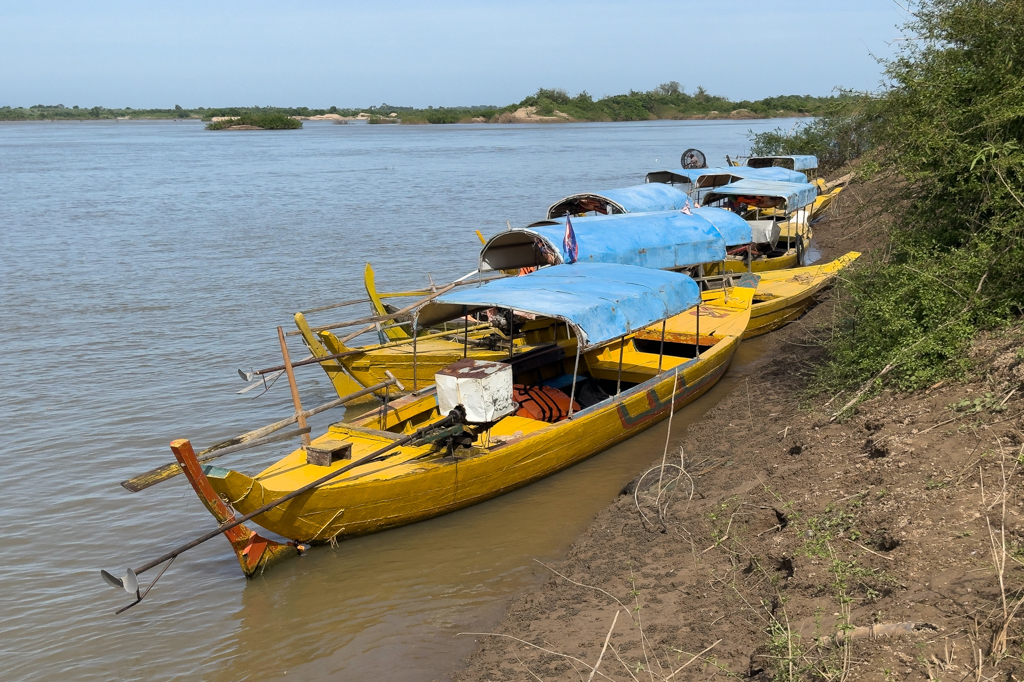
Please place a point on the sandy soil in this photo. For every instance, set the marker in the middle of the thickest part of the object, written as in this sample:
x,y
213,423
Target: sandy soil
x,y
529,115
775,529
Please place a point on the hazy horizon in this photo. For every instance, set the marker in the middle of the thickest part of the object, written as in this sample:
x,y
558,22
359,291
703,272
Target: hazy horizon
x,y
117,54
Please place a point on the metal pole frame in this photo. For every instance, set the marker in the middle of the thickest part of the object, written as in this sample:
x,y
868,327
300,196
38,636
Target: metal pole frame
x,y
465,342
661,350
511,333
696,339
618,381
575,370
415,332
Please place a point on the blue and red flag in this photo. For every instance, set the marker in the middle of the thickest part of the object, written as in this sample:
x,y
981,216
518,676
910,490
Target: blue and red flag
x,y
569,245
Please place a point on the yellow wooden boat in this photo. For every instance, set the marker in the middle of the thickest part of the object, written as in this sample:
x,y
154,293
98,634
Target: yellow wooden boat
x,y
785,295
415,364
781,297
634,380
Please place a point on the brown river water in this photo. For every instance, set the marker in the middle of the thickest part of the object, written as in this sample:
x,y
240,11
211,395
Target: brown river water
x,y
141,264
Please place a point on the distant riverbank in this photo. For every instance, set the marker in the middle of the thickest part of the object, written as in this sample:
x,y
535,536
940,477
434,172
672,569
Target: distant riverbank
x,y
668,101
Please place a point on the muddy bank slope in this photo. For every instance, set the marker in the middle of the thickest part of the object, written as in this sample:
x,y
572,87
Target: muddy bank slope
x,y
782,545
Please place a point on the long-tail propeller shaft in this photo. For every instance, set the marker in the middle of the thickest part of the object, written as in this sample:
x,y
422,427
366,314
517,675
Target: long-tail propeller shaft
x,y
130,582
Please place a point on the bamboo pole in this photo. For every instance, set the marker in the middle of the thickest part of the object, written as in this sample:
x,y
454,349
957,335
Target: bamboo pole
x,y
300,417
249,439
400,294
365,349
378,318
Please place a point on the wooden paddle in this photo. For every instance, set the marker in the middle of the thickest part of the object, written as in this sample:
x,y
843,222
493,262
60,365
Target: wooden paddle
x,y
249,439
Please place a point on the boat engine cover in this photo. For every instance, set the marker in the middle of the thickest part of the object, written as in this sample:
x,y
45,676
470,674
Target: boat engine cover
x,y
483,388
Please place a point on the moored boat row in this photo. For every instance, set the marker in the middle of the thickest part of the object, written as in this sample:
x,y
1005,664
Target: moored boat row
x,y
574,333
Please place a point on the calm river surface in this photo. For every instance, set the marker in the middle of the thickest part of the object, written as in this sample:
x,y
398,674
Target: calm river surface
x,y
140,265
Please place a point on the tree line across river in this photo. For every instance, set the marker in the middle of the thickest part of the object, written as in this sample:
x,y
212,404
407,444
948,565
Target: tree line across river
x,y
667,101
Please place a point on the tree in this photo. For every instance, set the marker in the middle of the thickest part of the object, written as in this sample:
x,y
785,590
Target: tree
x,y
670,88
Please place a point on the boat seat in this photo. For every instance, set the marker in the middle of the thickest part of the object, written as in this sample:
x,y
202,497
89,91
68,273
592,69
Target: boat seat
x,y
631,373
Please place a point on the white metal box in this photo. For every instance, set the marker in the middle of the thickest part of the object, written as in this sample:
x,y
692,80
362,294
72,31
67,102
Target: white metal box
x,y
482,387
764,232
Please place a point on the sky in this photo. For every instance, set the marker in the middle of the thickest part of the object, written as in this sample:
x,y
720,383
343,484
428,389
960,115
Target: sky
x,y
457,52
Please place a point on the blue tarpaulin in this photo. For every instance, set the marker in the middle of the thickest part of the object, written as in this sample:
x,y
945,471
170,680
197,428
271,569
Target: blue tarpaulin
x,y
602,301
665,240
637,199
793,162
734,229
796,194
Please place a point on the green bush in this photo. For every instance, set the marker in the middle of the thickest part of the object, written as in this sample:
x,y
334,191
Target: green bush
x,y
844,130
950,125
267,121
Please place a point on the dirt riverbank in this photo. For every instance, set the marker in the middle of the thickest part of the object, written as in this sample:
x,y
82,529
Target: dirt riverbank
x,y
782,531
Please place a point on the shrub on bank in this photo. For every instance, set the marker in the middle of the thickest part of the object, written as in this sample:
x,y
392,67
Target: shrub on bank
x,y
949,128
843,131
266,121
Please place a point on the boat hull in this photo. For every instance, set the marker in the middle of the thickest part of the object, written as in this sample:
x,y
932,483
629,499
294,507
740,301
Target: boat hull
x,y
784,296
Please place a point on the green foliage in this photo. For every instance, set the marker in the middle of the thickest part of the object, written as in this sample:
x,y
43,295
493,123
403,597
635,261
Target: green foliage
x,y
59,112
950,124
843,131
266,120
990,402
668,100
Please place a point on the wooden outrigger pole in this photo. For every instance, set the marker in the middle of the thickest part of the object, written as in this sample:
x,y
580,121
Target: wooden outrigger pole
x,y
251,439
254,552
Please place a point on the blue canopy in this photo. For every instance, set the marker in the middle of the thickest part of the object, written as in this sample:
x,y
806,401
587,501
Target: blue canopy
x,y
734,229
727,174
793,162
636,199
602,301
662,241
795,194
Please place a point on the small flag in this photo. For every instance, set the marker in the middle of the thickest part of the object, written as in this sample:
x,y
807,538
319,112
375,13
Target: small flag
x,y
569,245
686,208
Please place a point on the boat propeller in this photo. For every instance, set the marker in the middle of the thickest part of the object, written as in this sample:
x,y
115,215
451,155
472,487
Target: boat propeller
x,y
130,584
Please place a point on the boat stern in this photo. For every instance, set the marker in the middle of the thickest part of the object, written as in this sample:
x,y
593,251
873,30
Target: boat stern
x,y
255,553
